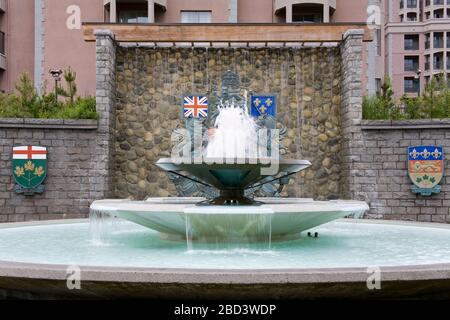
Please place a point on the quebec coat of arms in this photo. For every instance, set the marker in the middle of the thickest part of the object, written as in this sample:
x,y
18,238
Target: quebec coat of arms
x,y
29,169
425,169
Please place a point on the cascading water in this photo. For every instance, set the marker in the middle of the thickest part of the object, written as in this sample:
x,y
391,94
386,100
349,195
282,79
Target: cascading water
x,y
235,134
101,225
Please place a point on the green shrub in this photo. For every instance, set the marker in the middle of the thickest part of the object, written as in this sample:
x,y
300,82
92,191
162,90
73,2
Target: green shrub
x,y
381,107
434,103
25,102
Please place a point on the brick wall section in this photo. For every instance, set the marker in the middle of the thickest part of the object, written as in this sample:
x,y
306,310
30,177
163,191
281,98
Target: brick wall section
x,y
81,152
72,147
106,107
381,174
351,112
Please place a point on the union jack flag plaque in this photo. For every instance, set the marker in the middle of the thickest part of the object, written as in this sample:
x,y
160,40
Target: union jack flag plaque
x,y
425,169
195,107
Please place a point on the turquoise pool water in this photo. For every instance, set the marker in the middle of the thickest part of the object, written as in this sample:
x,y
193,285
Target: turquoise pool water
x,y
340,244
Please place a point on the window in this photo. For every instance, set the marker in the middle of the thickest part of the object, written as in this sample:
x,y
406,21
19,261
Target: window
x,y
438,40
196,16
438,61
412,4
133,16
411,85
378,86
411,42
378,35
411,63
427,41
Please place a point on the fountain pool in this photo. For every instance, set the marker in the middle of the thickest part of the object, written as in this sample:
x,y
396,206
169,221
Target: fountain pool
x,y
132,261
341,244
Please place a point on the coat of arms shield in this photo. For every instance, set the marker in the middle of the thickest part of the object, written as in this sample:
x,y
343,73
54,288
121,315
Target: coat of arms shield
x,y
29,168
425,169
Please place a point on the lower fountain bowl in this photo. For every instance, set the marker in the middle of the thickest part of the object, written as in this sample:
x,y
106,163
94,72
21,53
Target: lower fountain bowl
x,y
276,219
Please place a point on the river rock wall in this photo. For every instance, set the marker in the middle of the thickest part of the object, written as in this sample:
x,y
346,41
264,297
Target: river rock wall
x,y
151,83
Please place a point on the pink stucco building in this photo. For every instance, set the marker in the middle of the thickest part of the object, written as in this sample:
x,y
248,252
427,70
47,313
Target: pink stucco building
x,y
417,37
411,44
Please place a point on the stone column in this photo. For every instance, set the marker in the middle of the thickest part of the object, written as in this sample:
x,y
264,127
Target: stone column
x,y
326,11
233,11
106,108
351,113
113,11
151,11
289,13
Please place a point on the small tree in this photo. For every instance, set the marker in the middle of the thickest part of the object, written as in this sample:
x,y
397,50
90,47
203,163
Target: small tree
x,y
71,90
26,91
381,106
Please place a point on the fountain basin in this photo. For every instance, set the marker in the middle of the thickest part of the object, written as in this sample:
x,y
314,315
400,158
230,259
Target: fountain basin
x,y
276,219
413,258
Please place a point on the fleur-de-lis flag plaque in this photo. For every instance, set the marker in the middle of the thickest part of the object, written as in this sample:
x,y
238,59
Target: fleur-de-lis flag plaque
x,y
425,169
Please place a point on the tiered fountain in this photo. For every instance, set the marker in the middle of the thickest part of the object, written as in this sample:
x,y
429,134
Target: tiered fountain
x,y
234,161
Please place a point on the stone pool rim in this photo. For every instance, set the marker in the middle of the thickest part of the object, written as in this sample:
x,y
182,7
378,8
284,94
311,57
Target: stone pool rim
x,y
102,281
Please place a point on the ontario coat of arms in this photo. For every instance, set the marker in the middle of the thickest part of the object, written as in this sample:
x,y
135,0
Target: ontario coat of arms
x,y
425,169
29,169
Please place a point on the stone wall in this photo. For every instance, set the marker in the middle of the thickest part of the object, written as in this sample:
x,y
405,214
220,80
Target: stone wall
x,y
151,84
381,174
73,180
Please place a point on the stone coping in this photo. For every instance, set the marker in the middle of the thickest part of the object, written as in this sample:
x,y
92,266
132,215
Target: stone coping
x,y
229,276
36,123
405,124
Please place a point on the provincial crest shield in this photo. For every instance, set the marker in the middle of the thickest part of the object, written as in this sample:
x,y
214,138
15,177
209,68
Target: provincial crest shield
x,y
425,169
29,169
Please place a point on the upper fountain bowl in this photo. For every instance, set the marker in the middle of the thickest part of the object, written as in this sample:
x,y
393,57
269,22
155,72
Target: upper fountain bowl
x,y
238,175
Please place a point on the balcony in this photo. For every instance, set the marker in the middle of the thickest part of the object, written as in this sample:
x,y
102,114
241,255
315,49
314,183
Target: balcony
x,y
133,11
305,11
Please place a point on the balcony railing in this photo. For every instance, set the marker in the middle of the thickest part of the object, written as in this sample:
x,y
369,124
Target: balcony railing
x,y
2,43
427,66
